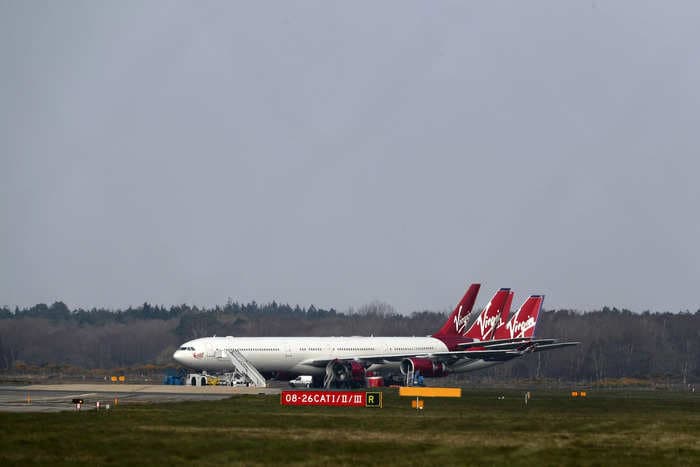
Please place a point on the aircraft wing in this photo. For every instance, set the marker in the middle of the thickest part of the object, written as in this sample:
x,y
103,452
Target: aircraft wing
x,y
466,345
491,355
518,344
557,345
388,358
392,358
505,351
489,343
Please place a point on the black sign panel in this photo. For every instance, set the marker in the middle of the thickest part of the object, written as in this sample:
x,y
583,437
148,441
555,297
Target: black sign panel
x,y
373,399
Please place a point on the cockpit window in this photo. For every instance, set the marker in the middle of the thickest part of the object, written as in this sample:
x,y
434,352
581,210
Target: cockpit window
x,y
186,348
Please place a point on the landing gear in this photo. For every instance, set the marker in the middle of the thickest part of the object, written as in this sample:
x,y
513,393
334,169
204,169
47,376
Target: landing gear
x,y
344,374
197,379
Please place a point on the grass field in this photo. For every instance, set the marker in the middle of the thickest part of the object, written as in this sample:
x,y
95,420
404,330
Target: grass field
x,y
639,428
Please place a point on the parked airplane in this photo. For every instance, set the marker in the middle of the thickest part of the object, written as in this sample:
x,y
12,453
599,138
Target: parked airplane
x,y
511,339
348,359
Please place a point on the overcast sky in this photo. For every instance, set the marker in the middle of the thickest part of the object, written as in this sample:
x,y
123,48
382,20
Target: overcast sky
x,y
337,153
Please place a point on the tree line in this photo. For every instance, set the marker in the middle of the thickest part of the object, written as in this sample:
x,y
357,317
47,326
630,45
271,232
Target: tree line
x,y
614,343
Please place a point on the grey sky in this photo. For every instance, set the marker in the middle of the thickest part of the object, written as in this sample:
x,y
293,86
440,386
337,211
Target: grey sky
x,y
340,152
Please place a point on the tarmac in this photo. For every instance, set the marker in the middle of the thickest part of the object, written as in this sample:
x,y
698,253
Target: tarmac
x,y
58,397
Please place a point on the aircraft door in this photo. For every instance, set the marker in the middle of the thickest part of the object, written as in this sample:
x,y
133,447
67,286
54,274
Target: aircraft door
x,y
288,351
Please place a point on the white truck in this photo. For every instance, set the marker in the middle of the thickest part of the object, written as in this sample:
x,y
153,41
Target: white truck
x,y
303,381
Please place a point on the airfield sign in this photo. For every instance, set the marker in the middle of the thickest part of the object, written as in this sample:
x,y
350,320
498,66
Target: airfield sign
x,y
331,398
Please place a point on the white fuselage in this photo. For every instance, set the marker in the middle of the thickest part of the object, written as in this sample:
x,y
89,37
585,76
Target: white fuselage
x,y
287,354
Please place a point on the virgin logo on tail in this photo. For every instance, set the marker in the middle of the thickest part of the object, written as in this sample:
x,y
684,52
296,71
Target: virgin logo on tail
x,y
518,329
487,324
461,321
489,318
458,319
523,322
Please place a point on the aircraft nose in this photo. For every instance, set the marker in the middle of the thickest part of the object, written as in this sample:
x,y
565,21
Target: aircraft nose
x,y
178,356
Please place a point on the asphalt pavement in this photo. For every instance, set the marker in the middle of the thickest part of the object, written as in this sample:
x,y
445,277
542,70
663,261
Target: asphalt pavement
x,y
59,397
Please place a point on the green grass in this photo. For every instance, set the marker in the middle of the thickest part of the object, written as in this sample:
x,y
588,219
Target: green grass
x,y
641,428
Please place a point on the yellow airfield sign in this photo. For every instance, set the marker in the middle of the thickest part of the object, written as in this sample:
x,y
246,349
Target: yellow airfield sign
x,y
417,391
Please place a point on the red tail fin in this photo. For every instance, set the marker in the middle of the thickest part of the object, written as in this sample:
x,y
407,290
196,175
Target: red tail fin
x,y
486,323
500,328
457,322
524,321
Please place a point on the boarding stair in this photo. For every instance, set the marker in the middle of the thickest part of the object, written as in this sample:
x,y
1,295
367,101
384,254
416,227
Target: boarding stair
x,y
243,368
410,375
329,379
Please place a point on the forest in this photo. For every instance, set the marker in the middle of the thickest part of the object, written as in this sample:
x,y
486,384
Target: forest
x,y
614,343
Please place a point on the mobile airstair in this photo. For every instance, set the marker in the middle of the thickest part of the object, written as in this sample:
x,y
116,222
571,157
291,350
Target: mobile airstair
x,y
410,376
329,379
244,372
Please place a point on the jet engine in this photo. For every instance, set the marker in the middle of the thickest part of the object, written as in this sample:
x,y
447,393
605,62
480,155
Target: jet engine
x,y
426,366
346,372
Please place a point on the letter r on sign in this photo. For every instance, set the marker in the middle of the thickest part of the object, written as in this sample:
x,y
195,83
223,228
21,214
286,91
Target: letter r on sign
x,y
373,399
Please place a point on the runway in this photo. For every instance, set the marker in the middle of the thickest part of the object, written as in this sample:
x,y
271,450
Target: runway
x,y
58,397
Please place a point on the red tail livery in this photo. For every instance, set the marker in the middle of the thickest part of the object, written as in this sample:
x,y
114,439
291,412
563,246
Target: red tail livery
x,y
457,322
489,319
524,321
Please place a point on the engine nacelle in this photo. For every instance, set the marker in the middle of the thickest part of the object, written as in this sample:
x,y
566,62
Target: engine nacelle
x,y
357,371
346,371
427,367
